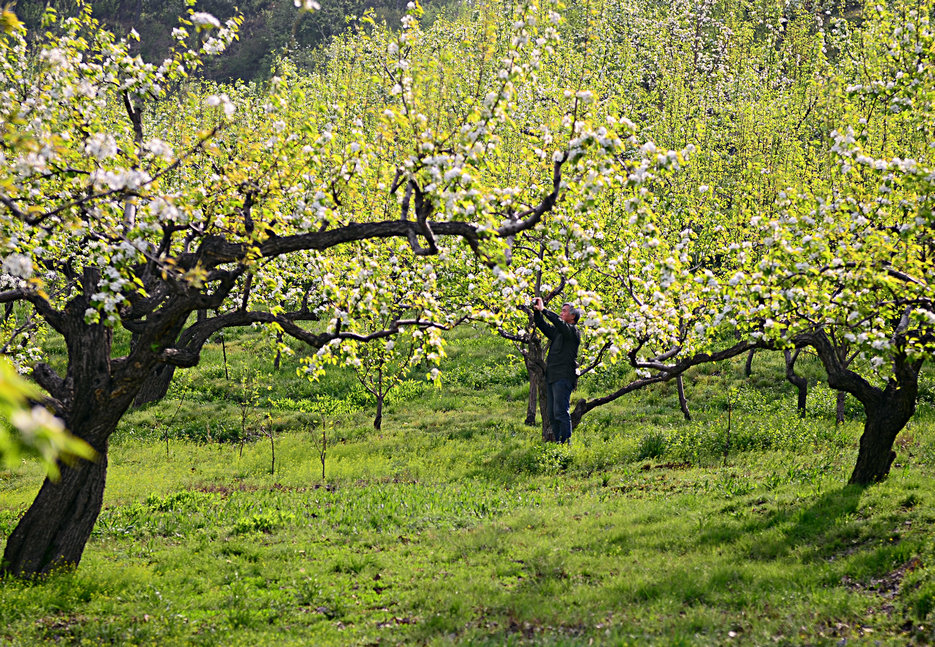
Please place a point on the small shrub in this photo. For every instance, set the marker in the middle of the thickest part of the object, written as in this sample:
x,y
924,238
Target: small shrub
x,y
312,594
553,458
263,522
652,445
185,500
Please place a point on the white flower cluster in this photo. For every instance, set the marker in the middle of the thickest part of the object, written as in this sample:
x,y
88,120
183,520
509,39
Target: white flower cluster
x,y
223,101
100,146
18,265
203,20
164,210
121,179
307,5
56,59
159,148
30,422
214,46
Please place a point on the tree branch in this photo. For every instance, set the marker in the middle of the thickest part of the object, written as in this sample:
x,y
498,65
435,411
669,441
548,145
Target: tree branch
x,y
530,218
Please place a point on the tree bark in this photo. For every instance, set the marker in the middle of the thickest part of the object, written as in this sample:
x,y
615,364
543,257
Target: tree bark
x,y
839,411
876,454
53,532
748,365
887,409
535,369
548,436
534,357
799,382
378,419
683,402
156,385
886,417
532,401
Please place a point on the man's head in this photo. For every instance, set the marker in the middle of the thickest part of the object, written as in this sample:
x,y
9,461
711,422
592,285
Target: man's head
x,y
570,314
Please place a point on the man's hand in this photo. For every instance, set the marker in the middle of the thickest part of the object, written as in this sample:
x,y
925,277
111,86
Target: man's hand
x,y
537,304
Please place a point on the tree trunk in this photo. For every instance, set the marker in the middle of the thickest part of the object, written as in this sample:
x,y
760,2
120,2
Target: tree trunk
x,y
532,400
548,436
94,397
683,402
888,410
53,532
538,388
56,527
799,382
839,413
885,419
748,366
156,385
535,369
378,420
278,360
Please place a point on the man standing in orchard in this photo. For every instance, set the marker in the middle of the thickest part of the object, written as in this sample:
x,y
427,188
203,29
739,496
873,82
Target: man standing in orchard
x,y
561,365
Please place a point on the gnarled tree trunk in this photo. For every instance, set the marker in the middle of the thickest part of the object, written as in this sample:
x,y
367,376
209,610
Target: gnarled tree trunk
x,y
886,417
53,532
534,357
532,400
887,409
548,435
160,377
91,400
535,369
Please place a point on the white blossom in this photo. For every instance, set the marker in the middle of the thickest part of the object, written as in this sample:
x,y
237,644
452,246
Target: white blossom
x,y
100,146
222,100
159,148
29,422
18,265
204,20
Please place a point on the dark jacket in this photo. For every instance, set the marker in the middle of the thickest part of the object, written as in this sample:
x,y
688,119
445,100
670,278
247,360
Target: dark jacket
x,y
562,360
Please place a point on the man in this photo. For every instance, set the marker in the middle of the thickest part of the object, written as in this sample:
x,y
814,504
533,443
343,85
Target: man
x,y
561,365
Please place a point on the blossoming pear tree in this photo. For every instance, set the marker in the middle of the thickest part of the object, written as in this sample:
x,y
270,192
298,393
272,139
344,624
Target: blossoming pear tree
x,y
384,312
849,265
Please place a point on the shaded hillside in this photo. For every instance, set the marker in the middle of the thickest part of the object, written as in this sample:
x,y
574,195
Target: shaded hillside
x,y
269,26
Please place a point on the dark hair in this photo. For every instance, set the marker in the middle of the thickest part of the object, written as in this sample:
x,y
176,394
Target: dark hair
x,y
574,311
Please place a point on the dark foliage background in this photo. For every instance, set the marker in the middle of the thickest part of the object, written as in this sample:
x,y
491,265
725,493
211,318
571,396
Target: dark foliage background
x,y
269,28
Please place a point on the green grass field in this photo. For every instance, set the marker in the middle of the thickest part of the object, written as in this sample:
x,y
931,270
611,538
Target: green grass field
x,y
455,525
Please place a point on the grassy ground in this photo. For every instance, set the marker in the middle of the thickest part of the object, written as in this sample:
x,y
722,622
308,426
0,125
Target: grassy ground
x,y
454,525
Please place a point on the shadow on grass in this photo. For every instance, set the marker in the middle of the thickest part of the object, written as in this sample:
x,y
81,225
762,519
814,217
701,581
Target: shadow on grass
x,y
512,463
779,529
768,555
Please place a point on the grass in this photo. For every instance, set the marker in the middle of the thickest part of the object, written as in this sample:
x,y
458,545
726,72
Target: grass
x,y
454,525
